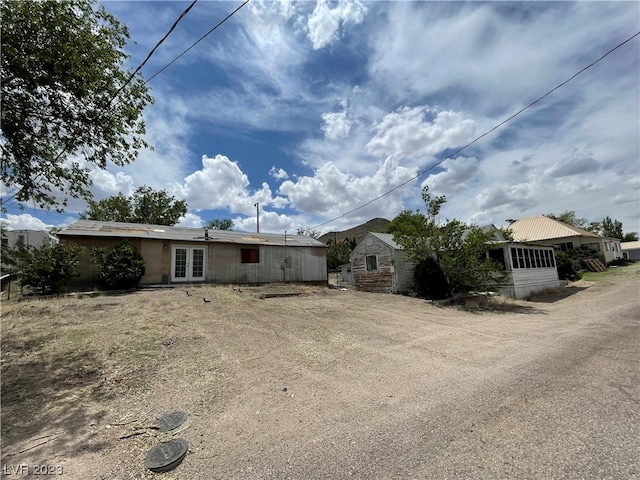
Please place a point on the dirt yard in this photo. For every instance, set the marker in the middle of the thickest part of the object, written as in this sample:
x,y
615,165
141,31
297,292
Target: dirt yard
x,y
325,384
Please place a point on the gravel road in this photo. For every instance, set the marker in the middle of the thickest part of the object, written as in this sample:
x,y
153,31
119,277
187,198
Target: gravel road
x,y
337,384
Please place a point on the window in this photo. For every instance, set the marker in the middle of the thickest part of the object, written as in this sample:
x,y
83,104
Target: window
x,y
372,263
527,258
538,261
250,255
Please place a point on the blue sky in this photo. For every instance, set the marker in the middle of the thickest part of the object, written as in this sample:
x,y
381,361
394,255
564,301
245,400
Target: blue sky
x,y
314,108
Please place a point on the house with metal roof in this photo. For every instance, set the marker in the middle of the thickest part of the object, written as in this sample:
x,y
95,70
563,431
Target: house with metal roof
x,y
631,250
543,230
177,255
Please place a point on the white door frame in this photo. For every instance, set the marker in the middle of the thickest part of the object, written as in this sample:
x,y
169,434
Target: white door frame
x,y
189,273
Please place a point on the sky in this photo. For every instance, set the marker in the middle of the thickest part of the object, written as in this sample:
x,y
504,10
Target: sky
x,y
313,109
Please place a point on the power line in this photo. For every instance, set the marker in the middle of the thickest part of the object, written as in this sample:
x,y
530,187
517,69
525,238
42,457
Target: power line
x,y
508,119
196,42
609,205
122,87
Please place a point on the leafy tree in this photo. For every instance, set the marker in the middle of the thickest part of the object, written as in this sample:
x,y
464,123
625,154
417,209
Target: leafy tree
x,y
611,228
116,208
220,224
569,217
121,267
44,269
156,207
66,96
630,237
144,206
451,250
338,254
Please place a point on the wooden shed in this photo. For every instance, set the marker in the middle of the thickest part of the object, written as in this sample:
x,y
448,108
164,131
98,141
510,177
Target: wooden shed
x,y
176,255
378,264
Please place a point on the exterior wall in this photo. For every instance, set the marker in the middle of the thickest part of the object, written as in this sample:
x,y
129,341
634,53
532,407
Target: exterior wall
x,y
607,249
523,281
88,270
403,272
379,280
277,264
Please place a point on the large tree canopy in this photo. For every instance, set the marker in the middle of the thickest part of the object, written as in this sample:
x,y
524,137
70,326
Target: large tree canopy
x,y
62,66
146,205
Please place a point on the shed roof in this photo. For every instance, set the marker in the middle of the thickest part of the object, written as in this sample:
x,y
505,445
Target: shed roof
x,y
94,228
388,239
630,245
540,227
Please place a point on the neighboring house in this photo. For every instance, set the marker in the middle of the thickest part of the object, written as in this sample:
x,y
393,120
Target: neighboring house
x,y
378,264
381,265
15,239
548,231
631,250
176,255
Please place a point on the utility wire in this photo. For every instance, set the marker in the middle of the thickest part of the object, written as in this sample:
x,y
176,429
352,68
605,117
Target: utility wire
x,y
175,24
508,119
196,42
115,95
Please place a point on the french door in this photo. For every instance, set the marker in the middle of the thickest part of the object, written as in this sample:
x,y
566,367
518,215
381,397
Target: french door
x,y
188,264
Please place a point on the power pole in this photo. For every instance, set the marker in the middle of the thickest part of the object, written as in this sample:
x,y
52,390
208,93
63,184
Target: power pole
x,y
257,205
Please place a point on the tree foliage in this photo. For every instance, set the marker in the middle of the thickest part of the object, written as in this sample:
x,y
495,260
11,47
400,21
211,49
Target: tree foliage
x,y
144,206
220,224
62,65
611,228
121,267
569,217
338,254
44,269
630,237
451,250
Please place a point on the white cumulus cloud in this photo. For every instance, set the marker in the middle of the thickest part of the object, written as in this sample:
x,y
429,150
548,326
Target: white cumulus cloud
x,y
323,24
336,125
415,131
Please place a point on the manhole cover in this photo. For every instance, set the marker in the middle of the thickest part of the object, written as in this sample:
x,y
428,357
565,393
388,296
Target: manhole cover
x,y
167,455
170,421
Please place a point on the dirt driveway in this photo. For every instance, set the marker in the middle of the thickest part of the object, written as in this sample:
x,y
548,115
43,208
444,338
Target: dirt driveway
x,y
328,384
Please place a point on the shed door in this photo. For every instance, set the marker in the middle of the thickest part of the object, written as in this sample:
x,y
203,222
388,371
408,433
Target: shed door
x,y
188,264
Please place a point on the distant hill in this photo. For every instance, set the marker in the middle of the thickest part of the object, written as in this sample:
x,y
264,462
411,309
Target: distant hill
x,y
375,225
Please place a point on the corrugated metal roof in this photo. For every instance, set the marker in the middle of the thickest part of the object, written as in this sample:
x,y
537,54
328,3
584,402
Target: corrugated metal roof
x,y
537,228
388,239
94,228
630,245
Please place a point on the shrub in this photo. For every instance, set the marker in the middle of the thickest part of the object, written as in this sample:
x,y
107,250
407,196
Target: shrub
x,y
429,281
121,267
44,269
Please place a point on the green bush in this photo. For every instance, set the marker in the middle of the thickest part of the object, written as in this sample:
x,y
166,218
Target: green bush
x,y
44,269
429,281
121,267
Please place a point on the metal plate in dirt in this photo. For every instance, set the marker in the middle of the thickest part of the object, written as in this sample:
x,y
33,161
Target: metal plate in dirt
x,y
170,421
167,455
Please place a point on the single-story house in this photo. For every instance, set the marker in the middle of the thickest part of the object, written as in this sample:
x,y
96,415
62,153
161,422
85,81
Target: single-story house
x,y
381,265
630,250
378,264
175,255
543,230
